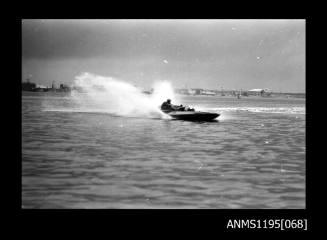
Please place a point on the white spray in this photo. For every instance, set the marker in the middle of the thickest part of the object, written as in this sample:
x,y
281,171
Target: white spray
x,y
105,94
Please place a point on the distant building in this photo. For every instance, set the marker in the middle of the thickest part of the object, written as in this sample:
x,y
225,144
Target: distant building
x,y
183,91
256,91
259,92
222,92
64,88
208,92
244,93
196,91
53,86
40,88
29,86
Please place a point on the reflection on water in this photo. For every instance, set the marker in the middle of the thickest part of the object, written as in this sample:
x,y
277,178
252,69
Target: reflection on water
x,y
91,160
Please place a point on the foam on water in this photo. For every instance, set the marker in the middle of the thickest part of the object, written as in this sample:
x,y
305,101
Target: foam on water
x,y
109,95
286,110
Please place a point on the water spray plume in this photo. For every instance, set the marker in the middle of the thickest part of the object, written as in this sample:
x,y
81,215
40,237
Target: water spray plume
x,y
106,94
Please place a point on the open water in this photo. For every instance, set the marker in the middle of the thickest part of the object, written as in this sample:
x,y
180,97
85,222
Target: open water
x,y
252,157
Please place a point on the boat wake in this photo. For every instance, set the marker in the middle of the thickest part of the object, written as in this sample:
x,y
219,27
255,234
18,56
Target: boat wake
x,y
102,112
280,110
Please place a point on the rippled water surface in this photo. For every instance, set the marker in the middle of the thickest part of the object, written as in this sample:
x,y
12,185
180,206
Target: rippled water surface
x,y
253,157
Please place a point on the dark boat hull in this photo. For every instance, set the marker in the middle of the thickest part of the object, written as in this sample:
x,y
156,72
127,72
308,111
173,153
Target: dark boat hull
x,y
193,116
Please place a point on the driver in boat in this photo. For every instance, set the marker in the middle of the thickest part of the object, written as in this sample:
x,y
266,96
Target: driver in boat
x,y
168,107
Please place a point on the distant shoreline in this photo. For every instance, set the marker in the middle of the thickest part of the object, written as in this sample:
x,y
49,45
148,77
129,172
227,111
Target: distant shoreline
x,y
273,95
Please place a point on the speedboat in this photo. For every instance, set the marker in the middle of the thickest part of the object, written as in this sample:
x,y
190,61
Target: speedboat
x,y
193,115
189,114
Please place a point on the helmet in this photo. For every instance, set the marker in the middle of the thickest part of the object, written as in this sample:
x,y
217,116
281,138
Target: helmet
x,y
168,100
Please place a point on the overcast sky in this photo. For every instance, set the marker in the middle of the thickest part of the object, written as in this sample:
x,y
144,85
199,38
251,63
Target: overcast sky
x,y
233,54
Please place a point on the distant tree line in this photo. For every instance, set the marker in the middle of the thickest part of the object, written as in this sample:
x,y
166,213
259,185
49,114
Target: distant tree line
x,y
28,86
